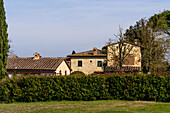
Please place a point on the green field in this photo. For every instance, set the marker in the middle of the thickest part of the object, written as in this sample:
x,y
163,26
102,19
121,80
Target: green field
x,y
103,106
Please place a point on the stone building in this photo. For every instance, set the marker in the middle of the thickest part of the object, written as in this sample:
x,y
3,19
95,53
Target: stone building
x,y
37,65
92,61
88,61
133,51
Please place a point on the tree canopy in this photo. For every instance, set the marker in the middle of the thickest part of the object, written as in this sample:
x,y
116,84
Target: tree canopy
x,y
164,20
160,22
4,46
153,34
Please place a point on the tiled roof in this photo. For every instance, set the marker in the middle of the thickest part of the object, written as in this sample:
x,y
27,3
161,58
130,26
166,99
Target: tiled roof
x,y
89,53
31,63
125,42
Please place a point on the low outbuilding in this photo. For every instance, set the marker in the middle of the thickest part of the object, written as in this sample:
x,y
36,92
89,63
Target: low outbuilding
x,y
37,65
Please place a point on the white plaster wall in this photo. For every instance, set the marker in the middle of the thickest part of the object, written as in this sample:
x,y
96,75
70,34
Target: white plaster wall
x,y
63,67
87,66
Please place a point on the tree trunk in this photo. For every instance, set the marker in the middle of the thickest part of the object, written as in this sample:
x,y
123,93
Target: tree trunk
x,y
150,54
149,68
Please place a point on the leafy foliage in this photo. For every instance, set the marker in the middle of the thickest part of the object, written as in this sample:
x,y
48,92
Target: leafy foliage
x,y
77,73
129,87
164,18
149,88
4,47
156,43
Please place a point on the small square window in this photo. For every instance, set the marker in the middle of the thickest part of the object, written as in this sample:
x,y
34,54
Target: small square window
x,y
79,63
99,63
91,61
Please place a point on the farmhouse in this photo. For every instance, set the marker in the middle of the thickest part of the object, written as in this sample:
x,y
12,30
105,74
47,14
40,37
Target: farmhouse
x,y
132,51
92,61
38,65
88,61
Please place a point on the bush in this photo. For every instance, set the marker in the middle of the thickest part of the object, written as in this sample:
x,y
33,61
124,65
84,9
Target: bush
x,y
77,73
149,88
33,88
126,87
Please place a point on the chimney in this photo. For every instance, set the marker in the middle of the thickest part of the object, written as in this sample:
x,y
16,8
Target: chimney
x,y
136,41
94,51
36,56
15,56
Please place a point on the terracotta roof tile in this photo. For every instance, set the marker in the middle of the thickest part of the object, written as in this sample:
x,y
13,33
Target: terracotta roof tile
x,y
30,63
125,42
89,53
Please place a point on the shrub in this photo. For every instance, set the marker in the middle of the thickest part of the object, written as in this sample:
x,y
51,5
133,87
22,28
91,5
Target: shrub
x,y
77,73
126,87
149,88
36,88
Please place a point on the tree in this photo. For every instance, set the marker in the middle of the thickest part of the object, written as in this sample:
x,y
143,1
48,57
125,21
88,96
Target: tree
x,y
161,21
73,52
120,52
11,52
164,21
155,41
4,46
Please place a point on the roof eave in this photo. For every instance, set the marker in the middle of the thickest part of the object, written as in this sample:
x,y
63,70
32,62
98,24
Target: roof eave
x,y
86,55
125,42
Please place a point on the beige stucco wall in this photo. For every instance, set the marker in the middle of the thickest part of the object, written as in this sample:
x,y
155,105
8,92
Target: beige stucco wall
x,y
63,67
87,66
136,52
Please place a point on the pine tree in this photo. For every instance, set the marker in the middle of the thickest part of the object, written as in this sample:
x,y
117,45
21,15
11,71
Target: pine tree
x,y
156,43
4,46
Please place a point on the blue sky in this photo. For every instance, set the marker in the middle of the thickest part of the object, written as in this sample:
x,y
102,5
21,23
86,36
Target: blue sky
x,y
55,28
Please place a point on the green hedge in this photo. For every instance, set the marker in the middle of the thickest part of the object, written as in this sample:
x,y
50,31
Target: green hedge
x,y
149,88
33,88
77,73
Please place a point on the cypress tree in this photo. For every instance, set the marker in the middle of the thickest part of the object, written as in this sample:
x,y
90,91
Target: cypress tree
x,y
73,52
4,46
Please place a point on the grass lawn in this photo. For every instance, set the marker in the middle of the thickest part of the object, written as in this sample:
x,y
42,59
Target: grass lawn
x,y
102,106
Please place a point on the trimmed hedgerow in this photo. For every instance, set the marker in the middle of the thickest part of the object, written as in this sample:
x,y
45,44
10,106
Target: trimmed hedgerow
x,y
38,88
149,88
32,89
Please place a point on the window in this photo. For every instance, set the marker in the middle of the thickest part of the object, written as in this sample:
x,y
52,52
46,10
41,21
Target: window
x,y
91,61
99,63
129,60
79,63
65,72
60,72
